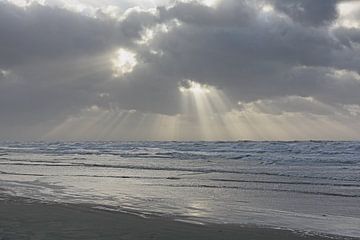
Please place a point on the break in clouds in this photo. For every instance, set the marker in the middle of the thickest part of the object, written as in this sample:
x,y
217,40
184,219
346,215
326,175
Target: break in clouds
x,y
180,70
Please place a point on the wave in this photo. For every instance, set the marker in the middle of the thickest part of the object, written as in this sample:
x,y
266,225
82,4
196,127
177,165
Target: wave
x,y
259,189
288,183
176,169
179,178
253,175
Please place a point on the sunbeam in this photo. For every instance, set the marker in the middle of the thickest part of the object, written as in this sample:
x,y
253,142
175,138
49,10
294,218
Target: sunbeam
x,y
207,114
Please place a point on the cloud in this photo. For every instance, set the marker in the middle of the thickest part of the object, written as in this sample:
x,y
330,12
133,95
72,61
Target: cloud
x,y
41,33
253,56
309,12
276,57
59,59
290,104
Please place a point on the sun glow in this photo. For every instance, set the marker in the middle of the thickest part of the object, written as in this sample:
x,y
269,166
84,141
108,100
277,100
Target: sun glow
x,y
347,14
206,114
194,87
4,73
124,62
26,3
267,8
204,105
210,3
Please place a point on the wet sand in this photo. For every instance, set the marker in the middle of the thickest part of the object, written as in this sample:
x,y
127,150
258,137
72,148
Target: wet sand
x,y
25,219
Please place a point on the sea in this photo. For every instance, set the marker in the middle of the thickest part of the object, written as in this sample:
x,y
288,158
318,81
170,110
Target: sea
x,y
306,186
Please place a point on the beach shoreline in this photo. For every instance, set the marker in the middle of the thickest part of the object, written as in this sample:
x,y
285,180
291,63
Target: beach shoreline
x,y
22,218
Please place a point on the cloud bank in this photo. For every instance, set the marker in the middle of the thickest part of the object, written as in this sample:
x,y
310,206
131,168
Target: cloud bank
x,y
180,70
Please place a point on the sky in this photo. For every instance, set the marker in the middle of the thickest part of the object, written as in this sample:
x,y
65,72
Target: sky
x,y
179,70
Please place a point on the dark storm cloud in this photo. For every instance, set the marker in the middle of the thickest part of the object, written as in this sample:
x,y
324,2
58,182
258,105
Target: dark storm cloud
x,y
59,59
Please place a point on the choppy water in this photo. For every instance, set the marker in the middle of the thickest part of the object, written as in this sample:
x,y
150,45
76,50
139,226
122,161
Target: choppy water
x,y
309,186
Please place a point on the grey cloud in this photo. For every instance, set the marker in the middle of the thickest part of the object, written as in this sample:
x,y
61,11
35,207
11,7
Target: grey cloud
x,y
230,13
2,74
135,21
309,12
39,32
291,104
348,36
267,58
60,59
253,61
43,32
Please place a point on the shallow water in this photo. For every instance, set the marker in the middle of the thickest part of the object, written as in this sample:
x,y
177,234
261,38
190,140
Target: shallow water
x,y
308,186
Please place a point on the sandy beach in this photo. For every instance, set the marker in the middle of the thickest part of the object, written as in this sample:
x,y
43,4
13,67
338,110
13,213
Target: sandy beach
x,y
28,219
231,187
